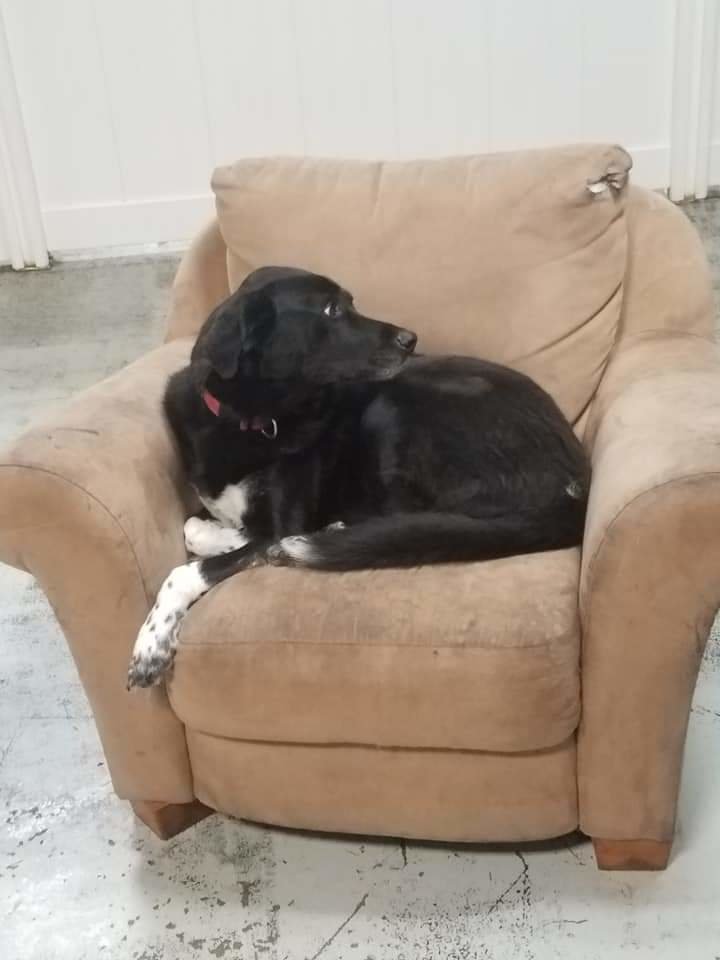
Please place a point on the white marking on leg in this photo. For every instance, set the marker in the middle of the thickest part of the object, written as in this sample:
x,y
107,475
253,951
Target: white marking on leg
x,y
232,504
209,538
156,642
299,549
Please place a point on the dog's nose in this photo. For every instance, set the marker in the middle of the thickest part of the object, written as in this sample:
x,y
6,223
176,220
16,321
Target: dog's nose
x,y
406,339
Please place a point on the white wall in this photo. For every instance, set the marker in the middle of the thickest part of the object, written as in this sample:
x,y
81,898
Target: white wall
x,y
715,146
129,104
4,245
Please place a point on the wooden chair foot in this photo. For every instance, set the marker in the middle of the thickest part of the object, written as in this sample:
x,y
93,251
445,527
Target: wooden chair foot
x,y
632,854
168,819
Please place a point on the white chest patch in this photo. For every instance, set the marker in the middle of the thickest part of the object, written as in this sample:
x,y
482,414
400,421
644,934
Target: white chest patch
x,y
231,506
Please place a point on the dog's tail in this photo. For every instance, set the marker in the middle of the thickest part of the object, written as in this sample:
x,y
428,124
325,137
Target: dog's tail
x,y
414,539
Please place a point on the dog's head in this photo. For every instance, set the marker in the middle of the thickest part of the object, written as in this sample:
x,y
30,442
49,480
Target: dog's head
x,y
285,331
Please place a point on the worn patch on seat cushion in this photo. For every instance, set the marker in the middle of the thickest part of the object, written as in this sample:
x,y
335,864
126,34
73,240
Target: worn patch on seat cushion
x,y
440,657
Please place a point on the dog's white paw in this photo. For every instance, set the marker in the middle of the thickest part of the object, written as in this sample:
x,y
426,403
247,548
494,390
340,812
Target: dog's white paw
x,y
154,652
156,643
291,550
209,538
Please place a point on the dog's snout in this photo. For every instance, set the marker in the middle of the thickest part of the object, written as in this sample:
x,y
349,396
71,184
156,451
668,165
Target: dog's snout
x,y
406,339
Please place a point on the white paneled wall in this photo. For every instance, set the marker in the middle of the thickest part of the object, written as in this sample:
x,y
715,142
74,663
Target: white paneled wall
x,y
128,104
715,125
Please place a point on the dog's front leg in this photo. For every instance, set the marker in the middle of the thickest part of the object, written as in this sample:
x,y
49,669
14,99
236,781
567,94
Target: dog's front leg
x,y
210,538
156,643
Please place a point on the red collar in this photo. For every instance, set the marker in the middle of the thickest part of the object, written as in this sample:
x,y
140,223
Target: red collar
x,y
268,428
211,402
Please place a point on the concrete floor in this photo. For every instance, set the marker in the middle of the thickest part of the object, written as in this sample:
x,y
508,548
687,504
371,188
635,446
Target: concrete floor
x,y
80,879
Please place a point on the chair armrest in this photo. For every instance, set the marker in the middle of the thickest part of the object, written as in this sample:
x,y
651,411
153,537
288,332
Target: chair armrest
x,y
650,579
200,284
92,503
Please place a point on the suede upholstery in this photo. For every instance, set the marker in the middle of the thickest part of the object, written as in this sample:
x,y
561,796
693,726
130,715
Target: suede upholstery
x,y
461,795
382,657
511,700
429,239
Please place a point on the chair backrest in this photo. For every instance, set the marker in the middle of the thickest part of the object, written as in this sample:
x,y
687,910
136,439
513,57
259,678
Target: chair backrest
x,y
519,258
668,284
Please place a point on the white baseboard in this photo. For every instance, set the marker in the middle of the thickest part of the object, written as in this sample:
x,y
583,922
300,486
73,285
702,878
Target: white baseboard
x,y
177,219
173,248
714,178
126,224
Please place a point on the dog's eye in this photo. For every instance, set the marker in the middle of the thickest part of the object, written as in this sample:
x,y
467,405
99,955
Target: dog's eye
x,y
332,310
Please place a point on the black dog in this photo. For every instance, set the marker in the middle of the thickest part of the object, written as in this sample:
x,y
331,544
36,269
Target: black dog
x,y
314,437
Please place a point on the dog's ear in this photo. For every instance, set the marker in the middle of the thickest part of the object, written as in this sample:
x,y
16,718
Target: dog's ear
x,y
233,334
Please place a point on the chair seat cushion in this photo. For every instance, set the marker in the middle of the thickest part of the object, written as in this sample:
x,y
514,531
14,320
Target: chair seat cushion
x,y
480,656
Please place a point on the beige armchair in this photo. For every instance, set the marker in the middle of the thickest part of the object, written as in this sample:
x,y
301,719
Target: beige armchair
x,y
512,700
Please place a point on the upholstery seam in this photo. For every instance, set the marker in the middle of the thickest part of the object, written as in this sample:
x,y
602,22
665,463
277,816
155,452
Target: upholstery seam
x,y
364,646
616,354
618,215
93,497
666,331
658,278
580,326
389,748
